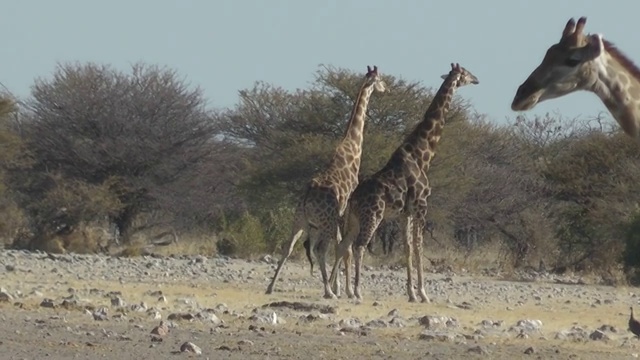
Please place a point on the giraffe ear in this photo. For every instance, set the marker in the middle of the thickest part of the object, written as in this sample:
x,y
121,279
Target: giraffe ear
x,y
444,76
595,43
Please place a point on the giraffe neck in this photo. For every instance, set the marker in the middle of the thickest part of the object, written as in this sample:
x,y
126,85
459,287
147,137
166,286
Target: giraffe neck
x,y
426,134
349,150
619,90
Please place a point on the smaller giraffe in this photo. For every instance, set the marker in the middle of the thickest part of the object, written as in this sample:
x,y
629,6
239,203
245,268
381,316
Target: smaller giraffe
x,y
320,211
399,189
585,62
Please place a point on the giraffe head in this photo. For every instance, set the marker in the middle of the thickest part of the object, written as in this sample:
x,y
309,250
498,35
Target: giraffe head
x,y
465,77
374,79
571,64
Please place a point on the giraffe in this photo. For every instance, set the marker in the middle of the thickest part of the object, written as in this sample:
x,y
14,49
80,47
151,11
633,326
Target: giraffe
x,y
399,190
320,210
585,62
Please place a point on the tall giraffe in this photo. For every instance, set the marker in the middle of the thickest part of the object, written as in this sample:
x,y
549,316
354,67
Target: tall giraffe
x,y
399,189
325,198
585,62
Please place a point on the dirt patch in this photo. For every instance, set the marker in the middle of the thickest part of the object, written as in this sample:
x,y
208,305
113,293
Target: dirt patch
x,y
91,306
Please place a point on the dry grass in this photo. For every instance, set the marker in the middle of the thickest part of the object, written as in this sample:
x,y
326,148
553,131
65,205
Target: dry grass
x,y
447,256
190,245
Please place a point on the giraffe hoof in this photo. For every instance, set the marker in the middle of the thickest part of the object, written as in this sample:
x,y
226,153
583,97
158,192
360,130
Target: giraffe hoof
x,y
426,300
269,291
330,296
412,299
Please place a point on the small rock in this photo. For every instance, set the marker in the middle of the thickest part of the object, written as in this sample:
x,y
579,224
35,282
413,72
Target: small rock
x,y
377,323
430,335
397,322
118,302
190,347
100,314
432,322
575,333
350,322
156,315
270,318
181,316
529,350
142,307
609,328
5,296
214,319
221,308
598,335
48,303
530,324
69,303
478,350
160,330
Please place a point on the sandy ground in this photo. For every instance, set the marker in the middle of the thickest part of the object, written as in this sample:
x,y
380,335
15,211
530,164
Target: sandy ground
x,y
89,307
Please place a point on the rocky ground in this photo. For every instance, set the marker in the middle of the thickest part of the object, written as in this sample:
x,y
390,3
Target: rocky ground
x,y
87,307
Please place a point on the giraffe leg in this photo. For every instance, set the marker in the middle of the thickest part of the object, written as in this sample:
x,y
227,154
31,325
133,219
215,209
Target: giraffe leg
x,y
418,230
345,253
312,238
325,238
335,284
297,231
347,272
407,227
359,256
335,270
307,251
368,225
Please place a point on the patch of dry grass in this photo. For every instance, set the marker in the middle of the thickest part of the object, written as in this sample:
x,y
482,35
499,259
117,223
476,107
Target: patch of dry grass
x,y
444,255
190,245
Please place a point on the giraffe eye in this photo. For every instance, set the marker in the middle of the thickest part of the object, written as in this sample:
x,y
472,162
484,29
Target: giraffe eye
x,y
570,62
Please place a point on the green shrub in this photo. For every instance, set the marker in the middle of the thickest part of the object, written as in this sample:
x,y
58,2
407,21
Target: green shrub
x,y
243,237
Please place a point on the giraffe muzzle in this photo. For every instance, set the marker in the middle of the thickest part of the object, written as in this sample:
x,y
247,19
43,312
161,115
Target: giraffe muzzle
x,y
526,98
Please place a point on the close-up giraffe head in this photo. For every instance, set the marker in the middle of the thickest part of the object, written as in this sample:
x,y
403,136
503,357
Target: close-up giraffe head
x,y
466,77
376,79
571,64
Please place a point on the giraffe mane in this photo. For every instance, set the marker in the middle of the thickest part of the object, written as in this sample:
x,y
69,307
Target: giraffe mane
x,y
621,58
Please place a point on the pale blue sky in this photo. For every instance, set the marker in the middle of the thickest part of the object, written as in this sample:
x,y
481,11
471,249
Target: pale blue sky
x,y
225,45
